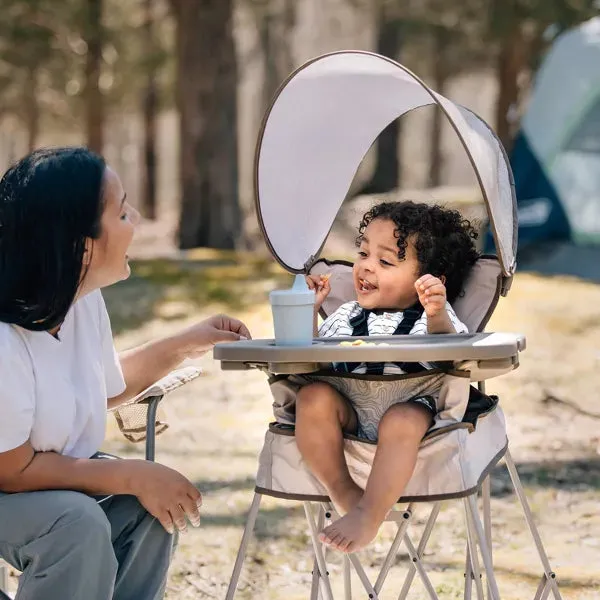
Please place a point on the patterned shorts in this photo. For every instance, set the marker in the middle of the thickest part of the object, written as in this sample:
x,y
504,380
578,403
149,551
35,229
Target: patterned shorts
x,y
371,398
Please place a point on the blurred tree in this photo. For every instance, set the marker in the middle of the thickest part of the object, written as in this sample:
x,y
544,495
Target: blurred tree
x,y
389,31
149,108
207,101
275,21
455,46
25,54
94,39
441,75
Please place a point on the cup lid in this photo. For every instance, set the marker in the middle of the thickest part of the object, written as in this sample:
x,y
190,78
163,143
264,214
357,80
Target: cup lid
x,y
298,294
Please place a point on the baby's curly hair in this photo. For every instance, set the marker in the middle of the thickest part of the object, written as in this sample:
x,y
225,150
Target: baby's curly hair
x,y
444,241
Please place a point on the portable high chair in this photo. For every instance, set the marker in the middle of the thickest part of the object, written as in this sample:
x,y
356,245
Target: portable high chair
x,y
321,123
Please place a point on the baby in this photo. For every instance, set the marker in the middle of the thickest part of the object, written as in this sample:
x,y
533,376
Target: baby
x,y
413,259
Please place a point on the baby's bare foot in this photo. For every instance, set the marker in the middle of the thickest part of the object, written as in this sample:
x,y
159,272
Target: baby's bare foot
x,y
346,497
352,532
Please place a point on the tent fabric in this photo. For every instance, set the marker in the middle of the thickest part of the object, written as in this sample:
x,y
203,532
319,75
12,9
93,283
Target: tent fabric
x,y
556,157
322,122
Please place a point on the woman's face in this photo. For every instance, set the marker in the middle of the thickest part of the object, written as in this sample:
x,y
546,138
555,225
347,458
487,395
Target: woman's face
x,y
106,258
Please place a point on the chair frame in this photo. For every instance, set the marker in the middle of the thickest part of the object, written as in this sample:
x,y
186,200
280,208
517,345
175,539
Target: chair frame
x,y
479,545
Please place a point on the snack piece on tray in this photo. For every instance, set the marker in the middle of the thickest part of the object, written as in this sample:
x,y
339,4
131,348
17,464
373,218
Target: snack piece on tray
x,y
363,343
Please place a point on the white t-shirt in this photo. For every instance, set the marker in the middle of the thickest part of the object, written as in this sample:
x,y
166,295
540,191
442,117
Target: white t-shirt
x,y
54,391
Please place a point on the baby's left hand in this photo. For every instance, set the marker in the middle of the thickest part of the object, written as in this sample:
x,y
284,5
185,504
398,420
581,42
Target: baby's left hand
x,y
432,295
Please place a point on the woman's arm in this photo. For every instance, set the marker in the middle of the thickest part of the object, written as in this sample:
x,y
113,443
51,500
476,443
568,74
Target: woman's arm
x,y
165,493
146,364
24,470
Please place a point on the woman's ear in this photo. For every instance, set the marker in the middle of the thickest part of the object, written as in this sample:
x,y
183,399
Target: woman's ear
x,y
87,252
443,279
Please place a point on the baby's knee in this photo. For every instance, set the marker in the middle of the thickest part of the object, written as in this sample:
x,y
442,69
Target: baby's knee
x,y
315,399
406,420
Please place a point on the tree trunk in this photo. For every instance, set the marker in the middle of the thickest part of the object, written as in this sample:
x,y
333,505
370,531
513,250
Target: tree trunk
x,y
32,108
441,75
511,62
207,97
148,200
276,26
93,94
386,175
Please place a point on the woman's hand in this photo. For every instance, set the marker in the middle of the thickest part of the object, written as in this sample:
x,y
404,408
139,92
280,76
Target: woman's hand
x,y
200,338
321,287
164,493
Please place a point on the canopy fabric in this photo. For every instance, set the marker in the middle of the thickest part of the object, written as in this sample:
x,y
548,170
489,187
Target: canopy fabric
x,y
322,122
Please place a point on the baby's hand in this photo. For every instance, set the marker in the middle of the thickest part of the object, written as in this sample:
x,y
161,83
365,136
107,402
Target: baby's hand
x,y
432,295
320,284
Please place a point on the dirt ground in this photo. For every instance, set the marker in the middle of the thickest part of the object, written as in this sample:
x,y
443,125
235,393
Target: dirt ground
x,y
217,424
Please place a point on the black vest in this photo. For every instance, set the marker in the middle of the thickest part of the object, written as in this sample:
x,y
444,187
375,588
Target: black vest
x,y
360,328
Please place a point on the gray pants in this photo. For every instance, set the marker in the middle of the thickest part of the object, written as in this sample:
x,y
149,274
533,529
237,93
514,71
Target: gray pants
x,y
69,546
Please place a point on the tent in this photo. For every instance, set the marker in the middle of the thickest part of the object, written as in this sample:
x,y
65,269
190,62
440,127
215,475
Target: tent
x,y
556,160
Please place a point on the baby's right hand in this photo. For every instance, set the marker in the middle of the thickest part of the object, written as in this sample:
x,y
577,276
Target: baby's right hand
x,y
320,284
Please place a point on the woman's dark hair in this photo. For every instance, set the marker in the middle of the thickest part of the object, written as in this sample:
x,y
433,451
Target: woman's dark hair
x,y
443,239
50,202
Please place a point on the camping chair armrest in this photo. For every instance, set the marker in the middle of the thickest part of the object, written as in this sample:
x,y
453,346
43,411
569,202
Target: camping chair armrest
x,y
137,418
167,384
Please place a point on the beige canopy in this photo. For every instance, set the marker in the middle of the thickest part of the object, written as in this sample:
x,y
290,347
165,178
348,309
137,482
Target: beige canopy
x,y
322,122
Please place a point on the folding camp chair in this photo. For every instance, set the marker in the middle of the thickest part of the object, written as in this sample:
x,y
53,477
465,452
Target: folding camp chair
x,y
137,420
321,123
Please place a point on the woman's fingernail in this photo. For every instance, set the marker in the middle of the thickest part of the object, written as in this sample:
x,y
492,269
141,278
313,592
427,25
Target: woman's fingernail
x,y
170,529
243,337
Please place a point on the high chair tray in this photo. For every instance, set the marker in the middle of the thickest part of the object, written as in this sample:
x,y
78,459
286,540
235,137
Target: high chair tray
x,y
480,347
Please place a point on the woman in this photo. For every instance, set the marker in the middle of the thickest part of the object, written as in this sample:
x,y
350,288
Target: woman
x,y
65,227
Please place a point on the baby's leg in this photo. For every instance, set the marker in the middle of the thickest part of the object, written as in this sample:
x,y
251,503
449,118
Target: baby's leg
x,y
321,416
400,433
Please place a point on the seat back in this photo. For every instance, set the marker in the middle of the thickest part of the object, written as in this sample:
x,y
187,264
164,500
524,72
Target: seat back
x,y
474,307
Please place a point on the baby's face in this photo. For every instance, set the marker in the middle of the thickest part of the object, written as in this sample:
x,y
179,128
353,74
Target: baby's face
x,y
381,279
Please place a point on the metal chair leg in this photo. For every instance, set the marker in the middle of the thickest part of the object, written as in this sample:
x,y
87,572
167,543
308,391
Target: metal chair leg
x,y
239,561
473,552
320,558
478,533
412,569
468,576
316,574
486,492
151,427
347,579
549,575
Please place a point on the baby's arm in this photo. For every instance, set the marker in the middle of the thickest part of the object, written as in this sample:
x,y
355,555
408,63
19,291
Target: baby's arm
x,y
440,323
432,295
320,284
